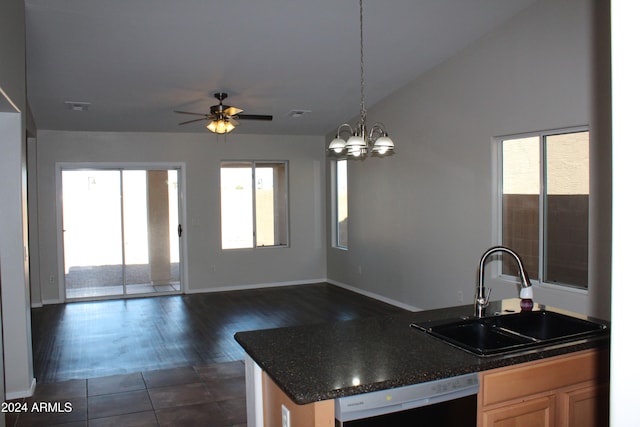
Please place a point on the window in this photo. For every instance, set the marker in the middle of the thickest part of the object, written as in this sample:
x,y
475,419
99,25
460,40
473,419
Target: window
x,y
545,205
253,204
340,204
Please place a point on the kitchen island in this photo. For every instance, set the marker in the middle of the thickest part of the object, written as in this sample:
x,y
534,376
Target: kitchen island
x,y
323,362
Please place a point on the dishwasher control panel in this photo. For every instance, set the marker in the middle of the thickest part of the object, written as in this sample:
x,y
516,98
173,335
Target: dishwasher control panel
x,y
402,398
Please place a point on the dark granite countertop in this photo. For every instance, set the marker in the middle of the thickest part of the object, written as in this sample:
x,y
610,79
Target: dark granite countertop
x,y
327,361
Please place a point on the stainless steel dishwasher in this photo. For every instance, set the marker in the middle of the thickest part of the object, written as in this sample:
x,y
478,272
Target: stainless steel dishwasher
x,y
445,402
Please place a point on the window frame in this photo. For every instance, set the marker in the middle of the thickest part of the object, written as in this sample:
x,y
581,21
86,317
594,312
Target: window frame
x,y
284,229
542,209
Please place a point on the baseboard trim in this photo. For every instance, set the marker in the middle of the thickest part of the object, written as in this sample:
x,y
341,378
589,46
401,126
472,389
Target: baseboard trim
x,y
10,395
51,301
275,285
255,286
193,291
374,295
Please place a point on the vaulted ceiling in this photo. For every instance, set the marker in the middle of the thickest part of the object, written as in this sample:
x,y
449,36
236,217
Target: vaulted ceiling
x,y
136,61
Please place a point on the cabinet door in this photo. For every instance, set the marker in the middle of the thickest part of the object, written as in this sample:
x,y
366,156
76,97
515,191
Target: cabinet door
x,y
317,414
538,412
586,406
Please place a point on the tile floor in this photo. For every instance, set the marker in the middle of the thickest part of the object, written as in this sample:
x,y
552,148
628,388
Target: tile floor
x,y
211,396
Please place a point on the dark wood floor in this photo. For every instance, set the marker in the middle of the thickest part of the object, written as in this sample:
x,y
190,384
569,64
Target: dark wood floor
x,y
93,339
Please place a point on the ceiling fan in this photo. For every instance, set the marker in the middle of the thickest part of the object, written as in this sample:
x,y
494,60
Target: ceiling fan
x,y
223,118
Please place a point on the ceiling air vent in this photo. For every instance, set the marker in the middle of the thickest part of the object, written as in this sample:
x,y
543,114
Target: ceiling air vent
x,y
297,113
77,106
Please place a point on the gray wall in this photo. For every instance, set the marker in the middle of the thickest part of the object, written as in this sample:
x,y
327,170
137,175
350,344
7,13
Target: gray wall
x,y
208,267
12,45
14,280
420,220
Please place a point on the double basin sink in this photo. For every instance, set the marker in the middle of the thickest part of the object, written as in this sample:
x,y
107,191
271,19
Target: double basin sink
x,y
511,333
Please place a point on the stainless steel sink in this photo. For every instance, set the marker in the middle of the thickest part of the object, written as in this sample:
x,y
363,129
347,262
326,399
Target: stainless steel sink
x,y
500,334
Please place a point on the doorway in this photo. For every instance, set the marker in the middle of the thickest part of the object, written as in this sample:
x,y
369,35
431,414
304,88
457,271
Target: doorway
x,y
121,232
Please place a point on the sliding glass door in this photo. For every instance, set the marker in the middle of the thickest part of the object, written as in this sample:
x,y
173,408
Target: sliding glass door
x,y
121,232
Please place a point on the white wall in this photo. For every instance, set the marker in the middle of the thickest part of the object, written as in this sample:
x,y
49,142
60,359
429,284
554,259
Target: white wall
x,y
420,220
625,370
209,268
19,380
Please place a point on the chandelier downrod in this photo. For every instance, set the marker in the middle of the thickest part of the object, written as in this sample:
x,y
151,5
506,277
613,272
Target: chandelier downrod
x,y
363,108
360,142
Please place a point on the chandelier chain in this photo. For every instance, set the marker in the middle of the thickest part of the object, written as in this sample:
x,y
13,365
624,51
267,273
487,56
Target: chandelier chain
x,y
363,110
361,141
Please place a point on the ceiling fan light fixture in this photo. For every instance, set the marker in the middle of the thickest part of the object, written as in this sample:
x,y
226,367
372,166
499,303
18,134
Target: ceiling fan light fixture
x,y
220,126
223,118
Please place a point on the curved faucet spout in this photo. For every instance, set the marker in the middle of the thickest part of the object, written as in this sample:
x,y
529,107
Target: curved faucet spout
x,y
482,294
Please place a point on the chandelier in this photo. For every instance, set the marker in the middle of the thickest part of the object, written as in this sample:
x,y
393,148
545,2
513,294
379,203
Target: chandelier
x,y
359,141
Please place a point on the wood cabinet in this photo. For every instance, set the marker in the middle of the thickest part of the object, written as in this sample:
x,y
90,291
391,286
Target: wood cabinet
x,y
317,414
561,391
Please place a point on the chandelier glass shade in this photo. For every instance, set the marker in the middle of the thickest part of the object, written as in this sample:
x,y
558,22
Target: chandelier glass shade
x,y
358,141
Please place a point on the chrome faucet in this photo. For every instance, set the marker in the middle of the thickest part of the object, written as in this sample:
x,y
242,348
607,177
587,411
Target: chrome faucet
x,y
482,294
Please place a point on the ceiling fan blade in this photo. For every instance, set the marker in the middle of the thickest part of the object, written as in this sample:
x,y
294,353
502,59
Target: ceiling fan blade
x,y
195,120
234,121
187,112
232,111
254,117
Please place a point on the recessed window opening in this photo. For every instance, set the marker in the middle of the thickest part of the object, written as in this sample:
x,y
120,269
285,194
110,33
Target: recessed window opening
x,y
340,214
254,204
544,201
